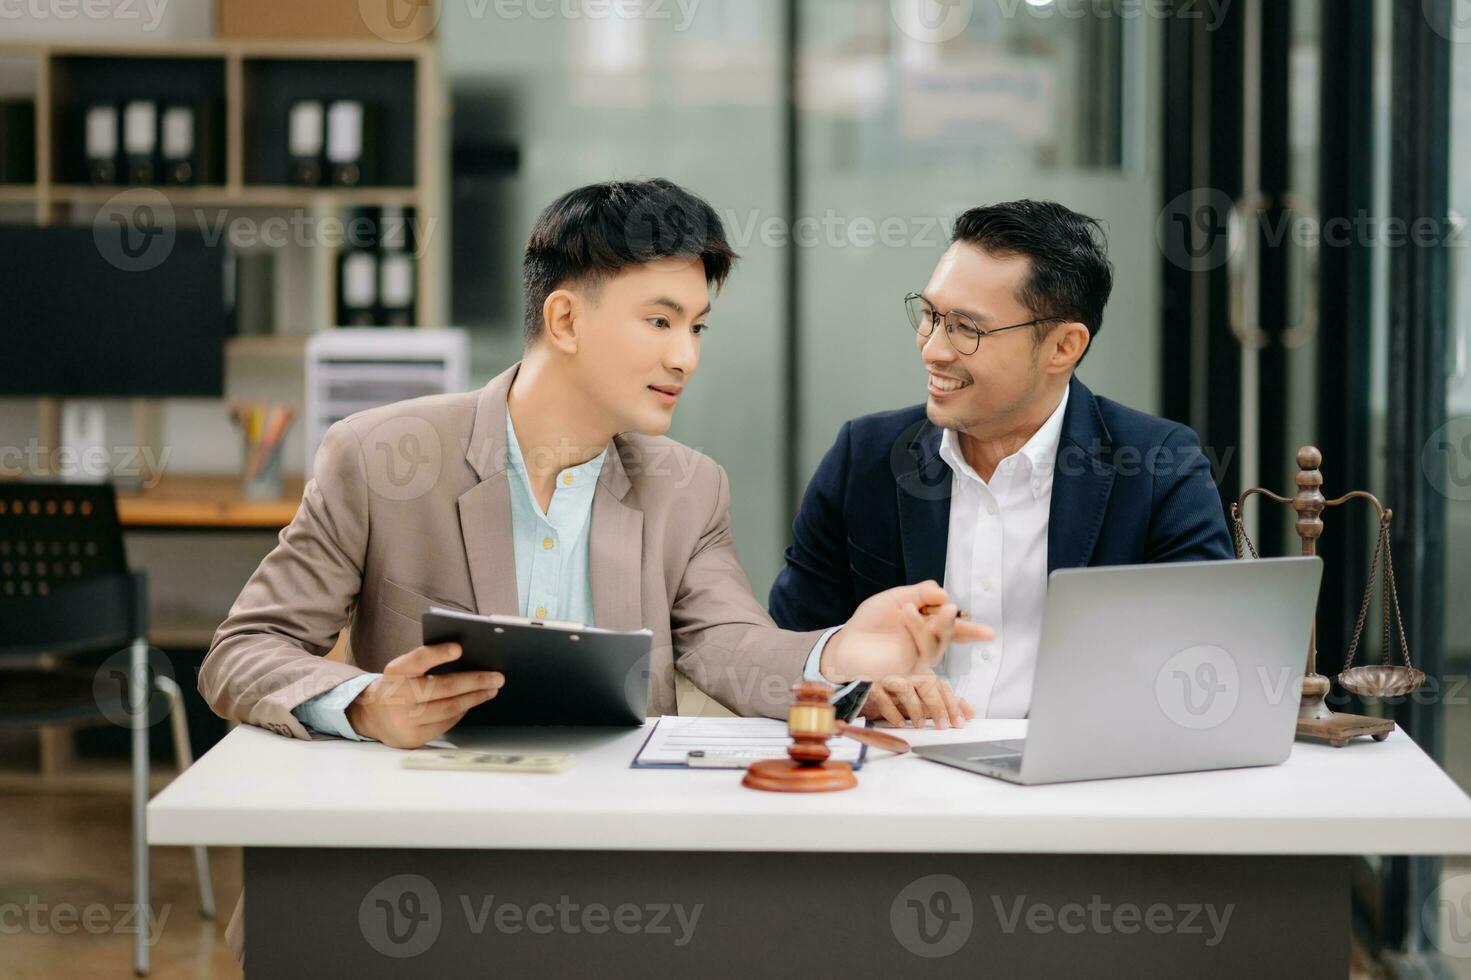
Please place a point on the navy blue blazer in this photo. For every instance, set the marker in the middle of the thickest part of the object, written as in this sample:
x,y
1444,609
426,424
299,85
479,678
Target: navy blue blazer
x,y
1128,488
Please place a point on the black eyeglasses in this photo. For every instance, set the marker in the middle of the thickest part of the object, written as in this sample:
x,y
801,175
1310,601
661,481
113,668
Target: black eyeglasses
x,y
965,336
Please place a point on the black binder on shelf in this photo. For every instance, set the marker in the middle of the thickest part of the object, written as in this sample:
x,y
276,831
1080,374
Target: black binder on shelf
x,y
357,289
363,132
100,130
396,288
177,147
17,142
140,141
191,143
352,135
306,129
396,267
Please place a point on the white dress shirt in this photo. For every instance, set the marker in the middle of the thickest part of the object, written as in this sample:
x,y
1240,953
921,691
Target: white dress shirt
x,y
996,568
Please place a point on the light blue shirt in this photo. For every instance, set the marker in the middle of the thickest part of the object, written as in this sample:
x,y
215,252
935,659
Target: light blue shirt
x,y
552,578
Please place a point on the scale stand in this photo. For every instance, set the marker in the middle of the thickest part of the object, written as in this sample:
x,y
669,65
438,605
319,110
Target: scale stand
x,y
1314,718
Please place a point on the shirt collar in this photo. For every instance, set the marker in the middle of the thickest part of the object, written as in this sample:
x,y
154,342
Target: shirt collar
x,y
582,474
1039,452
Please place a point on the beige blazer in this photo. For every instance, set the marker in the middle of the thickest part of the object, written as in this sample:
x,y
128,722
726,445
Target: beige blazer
x,y
409,506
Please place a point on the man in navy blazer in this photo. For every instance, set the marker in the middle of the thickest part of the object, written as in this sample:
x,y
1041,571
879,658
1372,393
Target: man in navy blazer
x,y
1011,469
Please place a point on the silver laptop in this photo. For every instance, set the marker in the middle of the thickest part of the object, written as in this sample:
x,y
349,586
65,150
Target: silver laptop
x,y
1147,669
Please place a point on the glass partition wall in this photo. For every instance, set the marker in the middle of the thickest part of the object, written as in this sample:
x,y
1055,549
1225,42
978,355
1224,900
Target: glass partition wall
x,y
837,139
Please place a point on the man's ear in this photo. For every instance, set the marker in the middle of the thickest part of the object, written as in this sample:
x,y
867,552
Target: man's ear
x,y
1071,343
559,314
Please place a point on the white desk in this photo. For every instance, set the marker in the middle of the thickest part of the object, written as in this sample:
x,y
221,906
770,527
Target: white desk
x,y
325,823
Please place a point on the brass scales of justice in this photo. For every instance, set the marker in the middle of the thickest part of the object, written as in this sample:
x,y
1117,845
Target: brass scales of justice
x,y
1314,718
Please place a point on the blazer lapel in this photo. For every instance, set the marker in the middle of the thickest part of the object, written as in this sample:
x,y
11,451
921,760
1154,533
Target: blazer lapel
x,y
616,549
1081,482
485,509
924,485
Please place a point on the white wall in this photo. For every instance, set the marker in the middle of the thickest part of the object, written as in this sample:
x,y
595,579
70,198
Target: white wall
x,y
105,20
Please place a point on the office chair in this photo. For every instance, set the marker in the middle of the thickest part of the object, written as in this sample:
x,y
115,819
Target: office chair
x,y
65,589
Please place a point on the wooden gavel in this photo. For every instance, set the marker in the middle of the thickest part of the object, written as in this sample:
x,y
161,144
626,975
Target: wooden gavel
x,y
812,720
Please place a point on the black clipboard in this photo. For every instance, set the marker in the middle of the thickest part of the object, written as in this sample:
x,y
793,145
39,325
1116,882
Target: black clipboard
x,y
563,674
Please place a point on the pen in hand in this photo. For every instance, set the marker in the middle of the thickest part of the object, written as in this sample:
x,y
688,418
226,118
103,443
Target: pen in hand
x,y
932,610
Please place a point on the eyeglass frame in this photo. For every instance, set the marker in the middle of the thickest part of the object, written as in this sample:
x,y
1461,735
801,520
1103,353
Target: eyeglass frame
x,y
981,332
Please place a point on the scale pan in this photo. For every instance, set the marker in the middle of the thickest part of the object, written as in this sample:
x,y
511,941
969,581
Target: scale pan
x,y
1381,681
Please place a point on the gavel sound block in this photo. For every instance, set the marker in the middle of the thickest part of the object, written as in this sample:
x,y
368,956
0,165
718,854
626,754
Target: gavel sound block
x,y
807,769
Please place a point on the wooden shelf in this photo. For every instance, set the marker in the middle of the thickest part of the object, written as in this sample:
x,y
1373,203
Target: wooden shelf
x,y
65,76
259,197
265,47
241,68
292,345
206,503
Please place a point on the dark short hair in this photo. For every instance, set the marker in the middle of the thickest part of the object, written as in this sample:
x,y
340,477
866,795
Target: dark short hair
x,y
1070,275
593,232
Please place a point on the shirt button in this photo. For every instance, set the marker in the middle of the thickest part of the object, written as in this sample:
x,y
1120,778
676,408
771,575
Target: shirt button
x,y
567,480
986,584
991,509
541,612
985,653
546,543
1037,485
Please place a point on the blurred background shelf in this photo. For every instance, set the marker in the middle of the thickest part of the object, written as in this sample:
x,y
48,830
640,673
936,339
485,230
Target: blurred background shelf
x,y
243,89
206,502
261,345
262,196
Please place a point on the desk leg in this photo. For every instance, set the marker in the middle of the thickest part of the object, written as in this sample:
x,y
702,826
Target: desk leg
x,y
369,913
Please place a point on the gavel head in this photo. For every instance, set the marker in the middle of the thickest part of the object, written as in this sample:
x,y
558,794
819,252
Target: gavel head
x,y
811,722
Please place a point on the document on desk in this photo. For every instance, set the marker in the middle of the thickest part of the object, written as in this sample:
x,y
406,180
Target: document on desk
x,y
674,737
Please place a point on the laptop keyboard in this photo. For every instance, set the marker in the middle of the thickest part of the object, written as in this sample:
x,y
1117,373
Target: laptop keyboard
x,y
1010,763
999,751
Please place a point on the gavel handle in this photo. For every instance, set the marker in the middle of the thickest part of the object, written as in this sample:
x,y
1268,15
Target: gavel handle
x,y
873,739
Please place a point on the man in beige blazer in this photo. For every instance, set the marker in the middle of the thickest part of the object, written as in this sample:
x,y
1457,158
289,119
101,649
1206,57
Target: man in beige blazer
x,y
429,502
361,552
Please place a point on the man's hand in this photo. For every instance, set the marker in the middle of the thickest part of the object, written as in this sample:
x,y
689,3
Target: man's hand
x,y
406,709
897,699
888,634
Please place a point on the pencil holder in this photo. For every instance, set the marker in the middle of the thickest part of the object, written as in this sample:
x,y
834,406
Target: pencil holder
x,y
261,476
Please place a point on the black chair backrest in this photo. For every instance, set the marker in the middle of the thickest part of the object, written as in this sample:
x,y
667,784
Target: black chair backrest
x,y
64,580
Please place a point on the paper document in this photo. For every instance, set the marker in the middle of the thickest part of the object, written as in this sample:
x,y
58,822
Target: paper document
x,y
674,738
